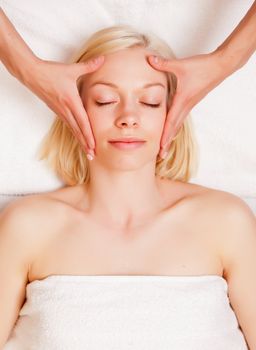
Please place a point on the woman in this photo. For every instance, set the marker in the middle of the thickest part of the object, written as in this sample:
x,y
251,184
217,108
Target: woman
x,y
128,254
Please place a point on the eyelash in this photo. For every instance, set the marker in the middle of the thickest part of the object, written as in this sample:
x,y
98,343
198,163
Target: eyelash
x,y
147,104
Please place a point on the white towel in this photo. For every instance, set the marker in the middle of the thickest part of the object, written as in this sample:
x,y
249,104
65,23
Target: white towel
x,y
225,120
127,312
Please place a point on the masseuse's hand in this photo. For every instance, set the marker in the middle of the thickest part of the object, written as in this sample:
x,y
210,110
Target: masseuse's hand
x,y
196,76
56,84
199,74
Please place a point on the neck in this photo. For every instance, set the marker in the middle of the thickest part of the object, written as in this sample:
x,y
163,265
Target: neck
x,y
124,198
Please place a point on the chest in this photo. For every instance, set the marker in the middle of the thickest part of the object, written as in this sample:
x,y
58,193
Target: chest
x,y
163,246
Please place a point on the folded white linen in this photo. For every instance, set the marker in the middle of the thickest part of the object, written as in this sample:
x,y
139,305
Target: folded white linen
x,y
65,312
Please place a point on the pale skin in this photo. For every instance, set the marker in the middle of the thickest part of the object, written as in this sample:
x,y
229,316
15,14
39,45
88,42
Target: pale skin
x,y
128,221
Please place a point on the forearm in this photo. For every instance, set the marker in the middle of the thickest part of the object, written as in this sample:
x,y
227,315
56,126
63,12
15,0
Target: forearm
x,y
14,52
241,43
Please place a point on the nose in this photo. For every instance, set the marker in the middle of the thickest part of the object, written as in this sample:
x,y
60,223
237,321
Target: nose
x,y
128,118
128,121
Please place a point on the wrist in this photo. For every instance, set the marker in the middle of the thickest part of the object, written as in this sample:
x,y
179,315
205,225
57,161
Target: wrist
x,y
15,54
228,61
27,69
18,60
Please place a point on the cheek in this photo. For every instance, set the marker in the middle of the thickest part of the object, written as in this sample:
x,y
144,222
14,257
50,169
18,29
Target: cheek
x,y
101,127
155,123
96,118
162,118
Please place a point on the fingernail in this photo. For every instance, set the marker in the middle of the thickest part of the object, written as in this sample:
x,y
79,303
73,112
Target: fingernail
x,y
89,156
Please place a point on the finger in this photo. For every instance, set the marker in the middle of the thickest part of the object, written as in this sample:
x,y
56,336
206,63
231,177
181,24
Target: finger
x,y
172,119
83,121
75,129
164,64
173,133
172,128
173,122
89,66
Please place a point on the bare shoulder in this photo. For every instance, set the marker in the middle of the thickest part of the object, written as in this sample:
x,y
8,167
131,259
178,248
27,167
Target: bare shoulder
x,y
19,213
237,224
222,203
24,225
26,211
232,221
28,220
224,214
37,217
235,230
229,208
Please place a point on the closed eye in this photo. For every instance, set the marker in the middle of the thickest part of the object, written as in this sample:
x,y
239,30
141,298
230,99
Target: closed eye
x,y
103,103
152,105
147,104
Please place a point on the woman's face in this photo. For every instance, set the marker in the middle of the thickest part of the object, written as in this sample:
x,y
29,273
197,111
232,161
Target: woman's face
x,y
119,105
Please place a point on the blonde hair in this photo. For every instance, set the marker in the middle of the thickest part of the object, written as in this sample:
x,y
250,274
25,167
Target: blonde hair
x,y
64,153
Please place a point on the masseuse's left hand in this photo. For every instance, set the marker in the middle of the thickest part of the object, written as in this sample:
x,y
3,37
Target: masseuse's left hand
x,y
196,77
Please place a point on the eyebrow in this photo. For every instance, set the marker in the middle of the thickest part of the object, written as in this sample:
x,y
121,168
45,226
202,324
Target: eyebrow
x,y
116,87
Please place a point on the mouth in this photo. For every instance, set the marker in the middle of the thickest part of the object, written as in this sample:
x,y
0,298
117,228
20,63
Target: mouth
x,y
126,139
127,143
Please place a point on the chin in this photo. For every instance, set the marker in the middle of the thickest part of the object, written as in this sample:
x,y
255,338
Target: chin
x,y
126,161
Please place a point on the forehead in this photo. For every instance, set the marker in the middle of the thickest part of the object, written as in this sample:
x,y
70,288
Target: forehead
x,y
127,68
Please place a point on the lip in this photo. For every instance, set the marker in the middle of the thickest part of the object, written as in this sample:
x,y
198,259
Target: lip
x,y
127,139
127,143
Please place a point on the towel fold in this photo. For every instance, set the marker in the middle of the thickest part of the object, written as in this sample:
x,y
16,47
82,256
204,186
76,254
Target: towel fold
x,y
64,312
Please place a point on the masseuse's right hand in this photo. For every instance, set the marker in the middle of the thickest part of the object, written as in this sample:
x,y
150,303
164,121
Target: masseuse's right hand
x,y
56,84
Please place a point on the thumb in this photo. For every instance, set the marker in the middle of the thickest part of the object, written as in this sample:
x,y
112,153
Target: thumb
x,y
89,66
163,64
